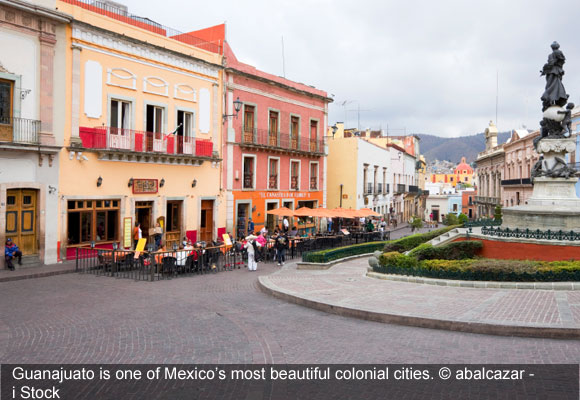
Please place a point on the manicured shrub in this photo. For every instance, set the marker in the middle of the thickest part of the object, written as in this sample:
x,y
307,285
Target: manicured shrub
x,y
451,219
395,258
451,251
410,242
324,256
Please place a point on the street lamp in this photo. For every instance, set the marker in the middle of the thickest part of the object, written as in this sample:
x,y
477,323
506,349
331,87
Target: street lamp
x,y
237,108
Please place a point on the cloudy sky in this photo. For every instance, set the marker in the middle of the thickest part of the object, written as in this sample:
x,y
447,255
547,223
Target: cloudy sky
x,y
414,66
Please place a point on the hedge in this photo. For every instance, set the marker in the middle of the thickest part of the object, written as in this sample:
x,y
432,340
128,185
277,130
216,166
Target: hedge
x,y
410,242
480,269
450,251
324,256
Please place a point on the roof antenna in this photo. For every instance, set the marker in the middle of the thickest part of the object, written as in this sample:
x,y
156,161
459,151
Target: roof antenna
x,y
283,62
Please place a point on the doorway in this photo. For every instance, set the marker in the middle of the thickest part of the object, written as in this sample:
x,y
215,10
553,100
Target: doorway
x,y
144,215
173,223
435,212
206,221
21,211
271,219
242,220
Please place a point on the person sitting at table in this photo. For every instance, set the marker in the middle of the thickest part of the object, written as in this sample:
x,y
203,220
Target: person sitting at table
x,y
293,232
181,256
370,227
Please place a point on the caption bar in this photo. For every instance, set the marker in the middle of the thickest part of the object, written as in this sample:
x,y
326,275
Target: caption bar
x,y
286,381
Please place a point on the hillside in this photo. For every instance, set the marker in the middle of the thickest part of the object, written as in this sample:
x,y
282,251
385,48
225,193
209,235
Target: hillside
x,y
452,149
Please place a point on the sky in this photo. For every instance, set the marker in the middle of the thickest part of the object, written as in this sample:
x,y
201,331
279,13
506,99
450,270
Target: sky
x,y
409,66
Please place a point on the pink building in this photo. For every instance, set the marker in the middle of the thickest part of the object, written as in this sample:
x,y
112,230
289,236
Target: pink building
x,y
520,157
274,148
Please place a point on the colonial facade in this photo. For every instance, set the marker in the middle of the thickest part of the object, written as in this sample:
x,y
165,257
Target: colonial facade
x,y
274,145
520,157
32,86
489,171
143,140
359,173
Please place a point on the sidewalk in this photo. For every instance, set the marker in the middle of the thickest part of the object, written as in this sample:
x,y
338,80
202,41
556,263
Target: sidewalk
x,y
39,271
345,289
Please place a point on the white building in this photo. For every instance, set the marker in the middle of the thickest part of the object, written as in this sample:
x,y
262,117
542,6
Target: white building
x,y
32,123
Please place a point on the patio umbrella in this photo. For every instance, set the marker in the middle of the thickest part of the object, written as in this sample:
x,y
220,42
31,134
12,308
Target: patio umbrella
x,y
281,212
304,212
367,212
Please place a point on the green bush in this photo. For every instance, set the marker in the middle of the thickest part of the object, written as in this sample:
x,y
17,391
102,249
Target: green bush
x,y
451,219
483,269
451,251
395,258
497,214
462,218
410,242
416,222
324,256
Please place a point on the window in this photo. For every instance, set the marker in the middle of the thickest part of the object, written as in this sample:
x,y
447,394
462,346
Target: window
x,y
294,132
248,172
6,90
369,188
295,175
465,179
173,218
380,188
249,115
154,121
92,221
272,173
313,176
273,129
185,124
313,136
454,207
120,116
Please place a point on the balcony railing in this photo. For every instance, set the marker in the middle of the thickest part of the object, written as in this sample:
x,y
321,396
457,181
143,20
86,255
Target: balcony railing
x,y
399,188
109,138
487,200
19,130
413,189
513,182
281,141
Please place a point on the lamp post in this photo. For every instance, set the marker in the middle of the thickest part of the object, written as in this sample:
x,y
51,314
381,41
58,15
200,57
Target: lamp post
x,y
237,108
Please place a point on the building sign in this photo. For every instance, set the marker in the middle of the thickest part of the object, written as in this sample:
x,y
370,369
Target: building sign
x,y
145,186
127,232
278,195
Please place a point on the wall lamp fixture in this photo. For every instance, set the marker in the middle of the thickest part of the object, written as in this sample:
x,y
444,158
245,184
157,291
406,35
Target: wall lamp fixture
x,y
162,182
130,182
194,183
99,181
237,108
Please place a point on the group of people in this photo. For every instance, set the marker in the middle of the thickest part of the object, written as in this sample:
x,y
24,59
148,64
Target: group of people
x,y
256,247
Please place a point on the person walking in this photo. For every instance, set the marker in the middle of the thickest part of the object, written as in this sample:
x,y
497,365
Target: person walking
x,y
281,245
137,234
249,246
250,226
11,251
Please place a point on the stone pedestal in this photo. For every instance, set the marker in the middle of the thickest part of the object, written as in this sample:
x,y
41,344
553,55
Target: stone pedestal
x,y
553,206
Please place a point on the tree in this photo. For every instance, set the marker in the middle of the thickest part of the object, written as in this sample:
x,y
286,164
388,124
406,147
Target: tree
x,y
462,218
497,214
416,223
451,219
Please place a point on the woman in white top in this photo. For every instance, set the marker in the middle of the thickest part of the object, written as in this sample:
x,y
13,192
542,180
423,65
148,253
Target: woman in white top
x,y
249,246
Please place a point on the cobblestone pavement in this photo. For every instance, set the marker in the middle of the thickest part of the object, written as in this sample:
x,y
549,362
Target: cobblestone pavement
x,y
222,318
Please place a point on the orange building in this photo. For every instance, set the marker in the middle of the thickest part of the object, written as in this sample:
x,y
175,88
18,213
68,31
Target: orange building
x,y
463,173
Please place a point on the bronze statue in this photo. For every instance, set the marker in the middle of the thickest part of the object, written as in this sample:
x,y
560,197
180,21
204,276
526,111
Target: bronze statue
x,y
555,94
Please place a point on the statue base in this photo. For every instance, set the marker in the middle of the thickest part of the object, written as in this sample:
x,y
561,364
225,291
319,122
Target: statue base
x,y
553,205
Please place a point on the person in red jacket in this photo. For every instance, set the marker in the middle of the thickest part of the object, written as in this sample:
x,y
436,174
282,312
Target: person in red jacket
x,y
11,251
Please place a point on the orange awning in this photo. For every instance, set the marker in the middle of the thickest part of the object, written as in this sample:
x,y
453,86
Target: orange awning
x,y
281,212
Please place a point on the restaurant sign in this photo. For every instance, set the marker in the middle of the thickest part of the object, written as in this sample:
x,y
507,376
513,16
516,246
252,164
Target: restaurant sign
x,y
284,195
145,186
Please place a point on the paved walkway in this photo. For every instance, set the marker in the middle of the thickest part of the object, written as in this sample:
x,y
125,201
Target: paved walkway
x,y
345,290
38,271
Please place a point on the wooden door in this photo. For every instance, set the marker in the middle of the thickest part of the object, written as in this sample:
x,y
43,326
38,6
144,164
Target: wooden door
x,y
21,211
206,221
173,224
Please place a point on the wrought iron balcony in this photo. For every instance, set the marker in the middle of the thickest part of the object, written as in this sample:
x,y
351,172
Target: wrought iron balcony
x,y
487,200
399,188
413,189
514,182
19,130
128,140
279,141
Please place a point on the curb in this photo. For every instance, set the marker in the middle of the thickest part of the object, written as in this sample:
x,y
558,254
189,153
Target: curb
x,y
310,266
36,275
422,322
475,284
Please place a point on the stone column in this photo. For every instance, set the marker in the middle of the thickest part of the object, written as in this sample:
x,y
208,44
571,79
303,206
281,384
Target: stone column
x,y
47,41
75,140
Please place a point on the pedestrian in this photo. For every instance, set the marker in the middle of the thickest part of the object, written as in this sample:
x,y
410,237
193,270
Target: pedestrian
x,y
262,241
249,246
137,234
250,226
158,234
281,245
329,224
11,251
286,224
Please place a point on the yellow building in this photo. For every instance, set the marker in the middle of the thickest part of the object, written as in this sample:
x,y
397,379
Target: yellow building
x,y
463,174
143,136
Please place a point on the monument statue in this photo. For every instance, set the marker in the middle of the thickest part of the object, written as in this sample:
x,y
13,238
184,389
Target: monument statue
x,y
554,204
557,121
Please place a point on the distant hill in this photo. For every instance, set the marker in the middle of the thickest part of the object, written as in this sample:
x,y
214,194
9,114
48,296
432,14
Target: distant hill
x,y
452,149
